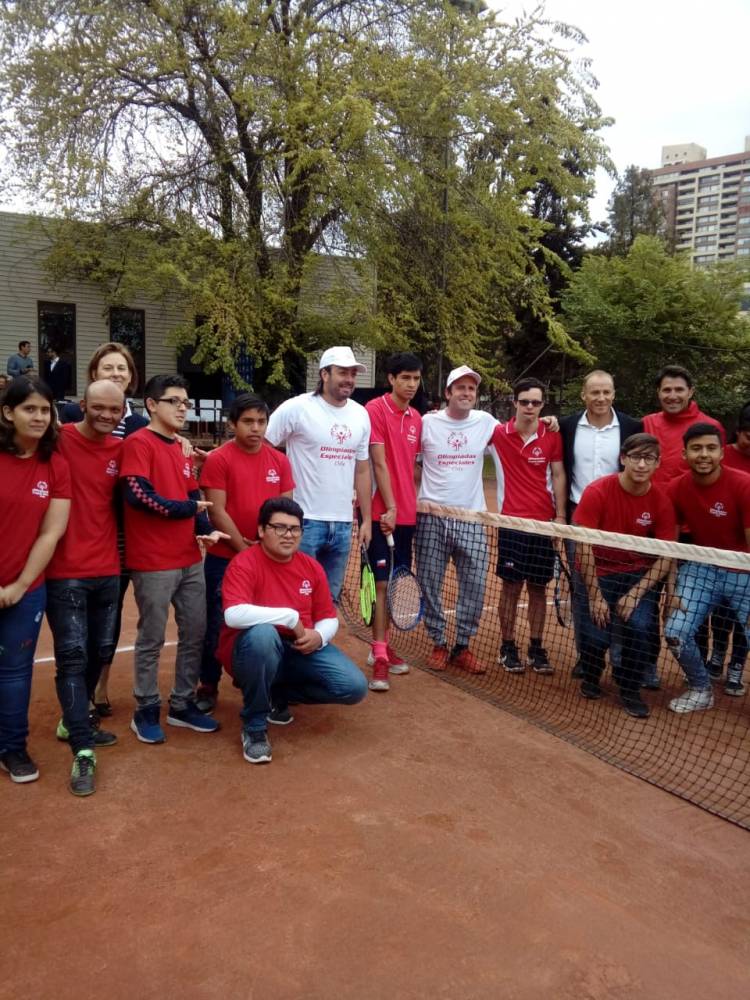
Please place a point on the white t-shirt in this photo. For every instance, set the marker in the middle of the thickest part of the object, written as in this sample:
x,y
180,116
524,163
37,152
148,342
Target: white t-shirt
x,y
323,444
453,458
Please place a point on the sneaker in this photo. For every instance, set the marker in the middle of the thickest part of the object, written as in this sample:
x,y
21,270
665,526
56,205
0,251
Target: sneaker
x,y
82,775
715,667
280,716
145,725
255,747
510,659
190,717
734,685
591,691
651,681
104,708
634,705
19,766
379,680
438,658
205,698
395,664
577,672
464,659
694,700
102,738
539,661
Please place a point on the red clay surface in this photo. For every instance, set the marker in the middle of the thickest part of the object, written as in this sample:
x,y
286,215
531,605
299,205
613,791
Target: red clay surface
x,y
422,844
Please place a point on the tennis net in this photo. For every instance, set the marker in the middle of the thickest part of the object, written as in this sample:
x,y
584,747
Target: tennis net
x,y
602,618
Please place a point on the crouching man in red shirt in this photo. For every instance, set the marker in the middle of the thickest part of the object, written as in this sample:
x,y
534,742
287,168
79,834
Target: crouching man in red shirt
x,y
278,621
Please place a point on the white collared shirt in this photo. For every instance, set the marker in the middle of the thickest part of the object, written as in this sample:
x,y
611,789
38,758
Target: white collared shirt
x,y
596,453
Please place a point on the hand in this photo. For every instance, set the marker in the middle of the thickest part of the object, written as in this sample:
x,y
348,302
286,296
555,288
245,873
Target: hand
x,y
202,505
206,541
199,457
599,610
310,641
11,594
365,533
626,606
553,424
388,521
187,447
672,604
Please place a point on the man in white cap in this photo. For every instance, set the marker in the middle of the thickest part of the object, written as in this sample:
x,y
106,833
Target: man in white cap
x,y
453,446
327,436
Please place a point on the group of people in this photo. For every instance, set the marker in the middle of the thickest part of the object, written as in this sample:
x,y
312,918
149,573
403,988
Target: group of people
x,y
249,544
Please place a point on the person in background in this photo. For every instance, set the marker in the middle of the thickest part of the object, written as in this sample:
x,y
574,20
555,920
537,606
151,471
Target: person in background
x,y
83,578
395,440
279,621
236,479
21,363
737,454
35,492
56,373
4,382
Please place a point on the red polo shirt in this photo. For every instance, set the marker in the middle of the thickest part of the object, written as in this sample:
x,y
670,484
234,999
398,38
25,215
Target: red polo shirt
x,y
524,477
400,431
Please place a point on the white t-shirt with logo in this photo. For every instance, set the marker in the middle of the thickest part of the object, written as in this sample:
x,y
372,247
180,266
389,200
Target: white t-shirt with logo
x,y
453,458
323,444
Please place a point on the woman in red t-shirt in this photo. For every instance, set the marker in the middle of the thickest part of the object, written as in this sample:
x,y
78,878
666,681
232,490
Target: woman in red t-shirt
x,y
35,501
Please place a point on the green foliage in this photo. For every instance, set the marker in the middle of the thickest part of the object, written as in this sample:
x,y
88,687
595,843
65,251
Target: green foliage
x,y
635,209
647,309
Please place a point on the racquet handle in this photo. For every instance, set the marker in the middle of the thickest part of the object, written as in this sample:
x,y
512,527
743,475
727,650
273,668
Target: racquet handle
x,y
389,540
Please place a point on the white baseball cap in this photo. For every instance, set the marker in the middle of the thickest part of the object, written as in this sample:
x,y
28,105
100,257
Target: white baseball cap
x,y
343,357
459,372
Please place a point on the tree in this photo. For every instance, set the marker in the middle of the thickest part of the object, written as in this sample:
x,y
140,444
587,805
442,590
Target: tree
x,y
647,309
217,145
634,209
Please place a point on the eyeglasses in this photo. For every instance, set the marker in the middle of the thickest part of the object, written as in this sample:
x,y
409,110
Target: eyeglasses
x,y
530,402
648,459
295,530
177,402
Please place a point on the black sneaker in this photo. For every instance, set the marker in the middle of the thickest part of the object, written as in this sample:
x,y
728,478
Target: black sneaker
x,y
734,685
715,667
82,775
19,766
591,691
510,659
280,716
255,747
577,672
539,661
634,705
102,737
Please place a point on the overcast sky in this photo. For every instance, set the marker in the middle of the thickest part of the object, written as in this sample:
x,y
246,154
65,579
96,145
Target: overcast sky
x,y
668,71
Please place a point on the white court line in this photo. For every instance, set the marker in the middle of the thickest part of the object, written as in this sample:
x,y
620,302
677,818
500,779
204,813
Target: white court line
x,y
120,649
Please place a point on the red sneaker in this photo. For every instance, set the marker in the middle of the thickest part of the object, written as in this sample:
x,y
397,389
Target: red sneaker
x,y
395,664
438,659
468,662
379,680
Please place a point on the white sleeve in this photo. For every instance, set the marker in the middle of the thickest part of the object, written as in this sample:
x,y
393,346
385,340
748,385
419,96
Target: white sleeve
x,y
282,422
326,629
247,615
363,452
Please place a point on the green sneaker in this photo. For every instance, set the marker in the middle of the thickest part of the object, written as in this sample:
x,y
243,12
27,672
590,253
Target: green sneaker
x,y
82,775
61,732
102,738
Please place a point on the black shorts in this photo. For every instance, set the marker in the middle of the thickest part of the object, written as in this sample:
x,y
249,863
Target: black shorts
x,y
380,554
523,556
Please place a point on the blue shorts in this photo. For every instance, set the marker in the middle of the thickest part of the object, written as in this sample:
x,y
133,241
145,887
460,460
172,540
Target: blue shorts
x,y
380,554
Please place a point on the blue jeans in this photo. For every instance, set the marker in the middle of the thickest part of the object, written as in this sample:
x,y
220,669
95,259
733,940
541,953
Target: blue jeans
x,y
82,615
214,568
19,631
328,542
700,588
262,661
631,638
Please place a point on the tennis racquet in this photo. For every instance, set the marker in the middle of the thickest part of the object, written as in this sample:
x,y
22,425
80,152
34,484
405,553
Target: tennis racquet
x,y
563,596
366,587
404,595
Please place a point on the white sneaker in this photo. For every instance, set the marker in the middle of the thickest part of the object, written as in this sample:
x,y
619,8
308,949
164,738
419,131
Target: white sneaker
x,y
694,700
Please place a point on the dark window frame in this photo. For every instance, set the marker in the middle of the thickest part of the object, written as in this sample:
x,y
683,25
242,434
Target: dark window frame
x,y
68,354
139,355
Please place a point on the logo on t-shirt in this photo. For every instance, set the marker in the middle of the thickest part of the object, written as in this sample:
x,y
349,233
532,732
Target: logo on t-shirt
x,y
411,434
645,519
41,490
306,588
186,470
719,510
112,469
537,456
340,433
457,440
272,476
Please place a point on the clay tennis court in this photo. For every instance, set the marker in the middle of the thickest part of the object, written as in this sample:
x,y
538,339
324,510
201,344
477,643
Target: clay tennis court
x,y
422,844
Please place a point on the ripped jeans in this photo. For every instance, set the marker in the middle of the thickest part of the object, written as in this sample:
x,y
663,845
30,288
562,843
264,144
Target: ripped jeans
x,y
82,616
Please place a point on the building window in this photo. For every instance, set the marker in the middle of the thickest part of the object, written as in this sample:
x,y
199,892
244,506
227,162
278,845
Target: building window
x,y
128,327
56,324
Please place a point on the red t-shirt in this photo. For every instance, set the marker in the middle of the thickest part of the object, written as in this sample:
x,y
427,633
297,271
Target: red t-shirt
x,y
154,542
524,477
247,480
253,578
400,431
668,429
89,546
715,515
607,506
26,487
735,459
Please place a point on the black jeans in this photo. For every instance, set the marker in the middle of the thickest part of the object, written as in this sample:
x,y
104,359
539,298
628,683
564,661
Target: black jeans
x,y
82,615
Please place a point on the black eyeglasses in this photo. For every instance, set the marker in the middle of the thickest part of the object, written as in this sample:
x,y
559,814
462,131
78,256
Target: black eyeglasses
x,y
295,530
176,402
530,402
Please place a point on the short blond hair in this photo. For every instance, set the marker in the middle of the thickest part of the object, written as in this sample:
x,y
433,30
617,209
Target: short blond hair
x,y
597,371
